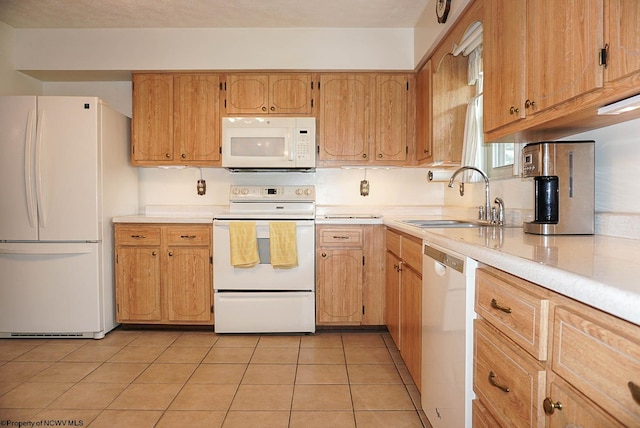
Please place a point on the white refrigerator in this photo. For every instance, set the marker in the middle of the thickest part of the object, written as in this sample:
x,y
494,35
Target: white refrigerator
x,y
64,173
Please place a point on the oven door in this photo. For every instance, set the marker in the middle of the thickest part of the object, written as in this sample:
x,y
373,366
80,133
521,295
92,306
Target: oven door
x,y
264,277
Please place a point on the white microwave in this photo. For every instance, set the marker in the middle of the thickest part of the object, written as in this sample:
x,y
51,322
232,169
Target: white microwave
x,y
269,143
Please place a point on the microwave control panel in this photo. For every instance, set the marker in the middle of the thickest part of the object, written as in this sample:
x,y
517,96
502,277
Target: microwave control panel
x,y
305,145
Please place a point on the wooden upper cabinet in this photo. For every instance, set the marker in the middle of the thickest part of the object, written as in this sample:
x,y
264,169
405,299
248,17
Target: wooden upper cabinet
x,y
504,58
366,118
152,125
259,94
423,114
563,44
451,95
176,119
391,119
344,117
622,23
197,117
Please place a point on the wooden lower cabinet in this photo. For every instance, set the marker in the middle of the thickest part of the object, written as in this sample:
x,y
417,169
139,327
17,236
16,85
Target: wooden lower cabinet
x,y
584,373
349,275
403,310
164,274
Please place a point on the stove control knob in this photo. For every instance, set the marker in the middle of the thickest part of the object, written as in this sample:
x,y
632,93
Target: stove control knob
x,y
235,191
299,192
244,191
307,192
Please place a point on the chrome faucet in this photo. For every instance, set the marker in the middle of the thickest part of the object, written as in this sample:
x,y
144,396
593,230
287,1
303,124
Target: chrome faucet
x,y
485,215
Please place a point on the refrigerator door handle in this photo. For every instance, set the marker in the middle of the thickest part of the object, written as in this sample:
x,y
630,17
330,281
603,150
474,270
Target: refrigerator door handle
x,y
39,191
47,249
28,168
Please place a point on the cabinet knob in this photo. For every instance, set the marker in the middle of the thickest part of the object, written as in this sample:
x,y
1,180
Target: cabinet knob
x,y
167,155
425,151
550,407
170,253
183,156
529,104
273,108
324,254
514,110
264,108
154,253
380,155
364,155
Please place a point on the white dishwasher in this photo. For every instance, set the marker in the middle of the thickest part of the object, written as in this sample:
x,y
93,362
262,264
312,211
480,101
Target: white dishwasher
x,y
448,286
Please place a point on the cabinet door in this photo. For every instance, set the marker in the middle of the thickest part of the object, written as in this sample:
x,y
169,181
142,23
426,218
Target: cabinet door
x,y
564,39
138,289
247,94
575,410
152,124
504,50
423,114
197,118
189,285
411,322
290,94
451,95
344,121
623,38
339,286
390,124
392,297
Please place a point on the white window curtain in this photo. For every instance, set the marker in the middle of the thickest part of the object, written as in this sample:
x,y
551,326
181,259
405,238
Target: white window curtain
x,y
472,153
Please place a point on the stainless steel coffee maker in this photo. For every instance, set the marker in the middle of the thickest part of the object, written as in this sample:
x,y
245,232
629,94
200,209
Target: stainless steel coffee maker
x,y
563,174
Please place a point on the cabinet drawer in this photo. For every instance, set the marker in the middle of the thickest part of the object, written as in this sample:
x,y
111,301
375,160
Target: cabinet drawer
x,y
520,315
189,235
600,356
341,237
508,381
411,252
481,417
393,242
137,235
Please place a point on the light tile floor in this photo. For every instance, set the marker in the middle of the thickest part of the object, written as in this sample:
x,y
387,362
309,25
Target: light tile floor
x,y
151,378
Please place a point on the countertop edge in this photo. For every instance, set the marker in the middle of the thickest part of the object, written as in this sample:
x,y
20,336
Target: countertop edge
x,y
620,303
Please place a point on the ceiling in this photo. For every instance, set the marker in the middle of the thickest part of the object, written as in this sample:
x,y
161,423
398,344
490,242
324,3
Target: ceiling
x,y
210,13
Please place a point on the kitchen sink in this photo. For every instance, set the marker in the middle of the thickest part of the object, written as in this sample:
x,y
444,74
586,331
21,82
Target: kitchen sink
x,y
442,223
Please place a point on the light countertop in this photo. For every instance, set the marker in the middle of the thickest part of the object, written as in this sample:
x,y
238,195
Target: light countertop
x,y
597,270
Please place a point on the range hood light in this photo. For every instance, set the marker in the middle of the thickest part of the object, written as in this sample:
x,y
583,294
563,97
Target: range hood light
x,y
622,106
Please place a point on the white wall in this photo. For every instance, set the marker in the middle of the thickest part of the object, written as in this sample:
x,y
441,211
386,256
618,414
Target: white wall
x,y
215,49
335,186
617,166
11,81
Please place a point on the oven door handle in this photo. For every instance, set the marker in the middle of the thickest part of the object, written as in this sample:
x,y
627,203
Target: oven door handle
x,y
263,222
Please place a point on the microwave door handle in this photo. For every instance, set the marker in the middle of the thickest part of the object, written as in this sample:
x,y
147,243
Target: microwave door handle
x,y
291,154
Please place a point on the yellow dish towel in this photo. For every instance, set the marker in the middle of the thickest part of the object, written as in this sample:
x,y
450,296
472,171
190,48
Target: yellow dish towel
x,y
244,244
283,244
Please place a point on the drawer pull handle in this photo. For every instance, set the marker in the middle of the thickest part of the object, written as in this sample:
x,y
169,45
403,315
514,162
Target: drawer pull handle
x,y
188,236
138,236
496,305
340,237
635,391
550,406
493,382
